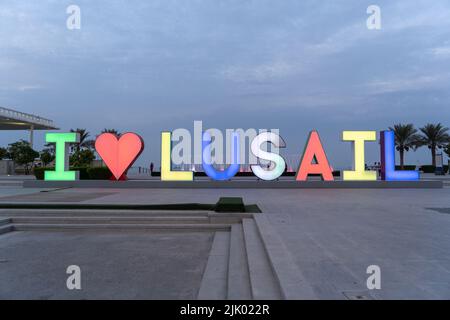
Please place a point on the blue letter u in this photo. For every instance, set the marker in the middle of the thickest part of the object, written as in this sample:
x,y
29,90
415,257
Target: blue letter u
x,y
232,169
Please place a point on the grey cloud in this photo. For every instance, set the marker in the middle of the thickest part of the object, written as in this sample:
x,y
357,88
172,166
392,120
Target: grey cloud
x,y
153,65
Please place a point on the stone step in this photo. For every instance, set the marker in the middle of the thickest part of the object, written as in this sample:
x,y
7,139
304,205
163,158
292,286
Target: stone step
x,y
6,228
263,283
229,217
214,280
99,212
238,274
118,227
108,220
4,221
290,279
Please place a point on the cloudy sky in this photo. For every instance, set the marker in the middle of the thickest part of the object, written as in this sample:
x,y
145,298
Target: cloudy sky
x,y
296,65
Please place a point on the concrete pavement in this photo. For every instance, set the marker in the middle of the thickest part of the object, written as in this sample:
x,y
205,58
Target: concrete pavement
x,y
334,235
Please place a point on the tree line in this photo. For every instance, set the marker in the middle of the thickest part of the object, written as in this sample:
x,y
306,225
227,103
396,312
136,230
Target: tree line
x,y
81,154
433,136
407,137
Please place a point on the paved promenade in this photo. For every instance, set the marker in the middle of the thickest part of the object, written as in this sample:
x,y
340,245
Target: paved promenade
x,y
333,235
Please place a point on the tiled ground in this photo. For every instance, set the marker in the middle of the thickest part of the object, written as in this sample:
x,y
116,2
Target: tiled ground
x,y
334,235
133,265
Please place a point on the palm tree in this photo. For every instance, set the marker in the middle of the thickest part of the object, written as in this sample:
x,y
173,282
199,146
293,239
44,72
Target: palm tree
x,y
434,136
405,138
113,131
447,149
85,143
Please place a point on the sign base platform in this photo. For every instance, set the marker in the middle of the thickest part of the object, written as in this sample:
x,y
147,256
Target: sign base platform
x,y
236,184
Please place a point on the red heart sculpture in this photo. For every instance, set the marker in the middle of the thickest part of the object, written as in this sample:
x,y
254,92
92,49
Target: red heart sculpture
x,y
119,153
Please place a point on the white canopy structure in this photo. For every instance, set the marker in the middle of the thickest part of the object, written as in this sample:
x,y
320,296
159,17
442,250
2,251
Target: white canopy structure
x,y
15,120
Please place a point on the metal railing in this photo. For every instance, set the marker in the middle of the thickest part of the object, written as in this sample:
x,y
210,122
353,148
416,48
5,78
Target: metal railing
x,y
21,116
139,171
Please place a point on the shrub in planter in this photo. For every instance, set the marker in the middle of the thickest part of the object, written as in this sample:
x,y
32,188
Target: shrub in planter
x,y
406,167
39,172
99,173
431,169
427,168
83,172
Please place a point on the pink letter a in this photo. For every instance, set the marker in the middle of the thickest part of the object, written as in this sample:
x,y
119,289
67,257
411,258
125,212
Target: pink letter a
x,y
314,151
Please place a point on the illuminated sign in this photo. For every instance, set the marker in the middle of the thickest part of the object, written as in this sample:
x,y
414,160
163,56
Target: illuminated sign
x,y
61,141
358,139
166,164
388,172
314,153
232,169
119,153
277,163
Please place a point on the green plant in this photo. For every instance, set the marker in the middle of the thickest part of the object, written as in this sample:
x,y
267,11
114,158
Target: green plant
x,y
99,173
46,157
230,204
82,158
3,153
406,167
433,136
39,172
84,143
113,131
447,149
431,168
22,154
83,172
406,138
